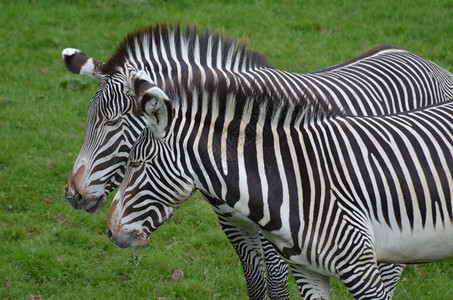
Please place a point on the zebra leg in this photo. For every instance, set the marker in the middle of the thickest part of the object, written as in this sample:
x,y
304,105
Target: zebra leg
x,y
311,285
277,271
356,265
364,281
247,245
253,249
358,270
390,274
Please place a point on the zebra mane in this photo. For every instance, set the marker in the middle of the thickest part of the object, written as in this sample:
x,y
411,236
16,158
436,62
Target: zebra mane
x,y
171,44
222,93
295,114
309,107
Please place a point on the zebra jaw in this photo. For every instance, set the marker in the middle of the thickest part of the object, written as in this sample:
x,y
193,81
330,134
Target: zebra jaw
x,y
100,203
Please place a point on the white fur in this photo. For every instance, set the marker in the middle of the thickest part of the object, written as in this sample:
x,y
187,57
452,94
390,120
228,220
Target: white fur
x,y
69,52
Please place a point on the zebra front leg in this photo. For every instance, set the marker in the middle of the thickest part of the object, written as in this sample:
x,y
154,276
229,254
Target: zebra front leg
x,y
355,262
390,274
247,245
364,281
277,271
357,268
311,285
248,242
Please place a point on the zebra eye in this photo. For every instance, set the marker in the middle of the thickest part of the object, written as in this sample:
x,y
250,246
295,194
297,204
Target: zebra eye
x,y
113,121
135,164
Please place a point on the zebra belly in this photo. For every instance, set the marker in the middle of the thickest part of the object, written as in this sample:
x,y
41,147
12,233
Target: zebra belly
x,y
417,246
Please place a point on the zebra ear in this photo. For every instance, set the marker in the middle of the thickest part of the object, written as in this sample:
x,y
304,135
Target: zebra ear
x,y
154,103
79,63
157,107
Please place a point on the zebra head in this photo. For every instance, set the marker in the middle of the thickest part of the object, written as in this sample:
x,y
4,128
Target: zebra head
x,y
154,184
114,121
113,124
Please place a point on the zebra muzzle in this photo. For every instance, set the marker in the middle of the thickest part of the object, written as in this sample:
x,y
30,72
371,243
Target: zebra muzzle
x,y
78,201
128,238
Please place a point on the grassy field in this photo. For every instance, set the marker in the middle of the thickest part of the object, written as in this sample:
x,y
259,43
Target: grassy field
x,y
49,249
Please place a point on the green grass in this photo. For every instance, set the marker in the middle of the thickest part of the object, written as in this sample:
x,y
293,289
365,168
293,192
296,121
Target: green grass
x,y
50,249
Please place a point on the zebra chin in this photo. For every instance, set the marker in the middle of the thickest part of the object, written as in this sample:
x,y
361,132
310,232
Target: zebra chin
x,y
128,238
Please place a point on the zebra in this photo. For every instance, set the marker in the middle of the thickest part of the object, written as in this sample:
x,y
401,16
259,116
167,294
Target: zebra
x,y
383,72
335,194
83,192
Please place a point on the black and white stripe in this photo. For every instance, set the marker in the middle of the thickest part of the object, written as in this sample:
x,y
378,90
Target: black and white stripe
x,y
384,79
334,194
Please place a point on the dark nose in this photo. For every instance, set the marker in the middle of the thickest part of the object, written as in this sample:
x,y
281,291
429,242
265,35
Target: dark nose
x,y
65,190
71,196
74,198
123,240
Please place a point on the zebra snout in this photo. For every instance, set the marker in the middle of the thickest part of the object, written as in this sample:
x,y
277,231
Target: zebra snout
x,y
109,233
122,239
66,192
87,203
72,196
127,238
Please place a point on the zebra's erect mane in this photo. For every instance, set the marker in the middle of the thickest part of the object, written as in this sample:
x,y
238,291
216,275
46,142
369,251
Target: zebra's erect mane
x,y
166,48
167,44
220,93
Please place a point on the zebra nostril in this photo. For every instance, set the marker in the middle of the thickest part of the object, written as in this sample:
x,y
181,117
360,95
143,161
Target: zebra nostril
x,y
109,233
136,233
77,197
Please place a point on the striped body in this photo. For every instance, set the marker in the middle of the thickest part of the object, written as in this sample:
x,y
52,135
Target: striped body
x,y
382,80
334,194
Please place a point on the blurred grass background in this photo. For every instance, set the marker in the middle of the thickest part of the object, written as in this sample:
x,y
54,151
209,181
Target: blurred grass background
x,y
48,249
